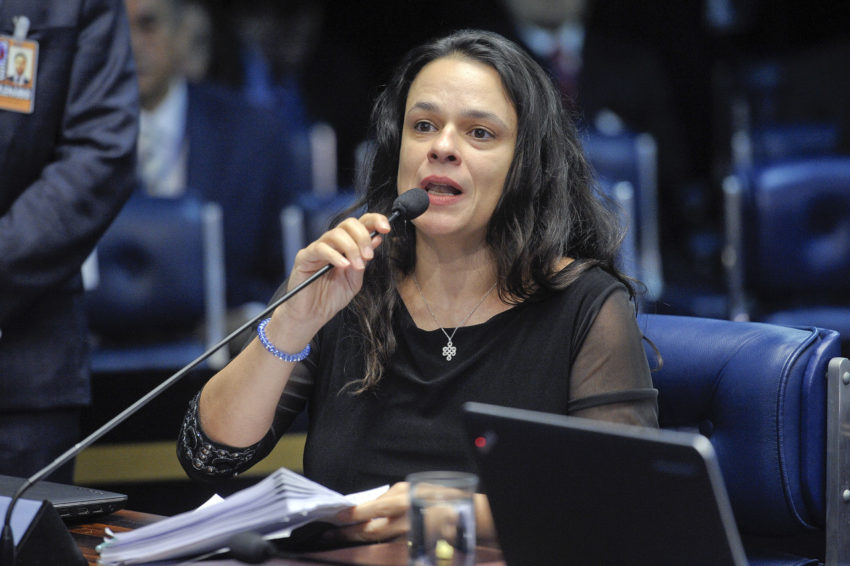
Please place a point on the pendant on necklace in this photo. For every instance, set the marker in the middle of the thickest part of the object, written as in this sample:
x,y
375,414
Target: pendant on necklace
x,y
449,351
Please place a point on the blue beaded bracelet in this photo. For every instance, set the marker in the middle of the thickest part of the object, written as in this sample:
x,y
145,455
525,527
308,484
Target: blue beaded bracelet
x,y
261,332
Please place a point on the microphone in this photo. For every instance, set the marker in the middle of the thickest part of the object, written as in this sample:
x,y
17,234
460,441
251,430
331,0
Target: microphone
x,y
408,205
251,548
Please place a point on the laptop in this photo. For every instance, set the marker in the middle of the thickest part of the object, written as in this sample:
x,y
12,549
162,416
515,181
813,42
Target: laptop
x,y
70,501
566,490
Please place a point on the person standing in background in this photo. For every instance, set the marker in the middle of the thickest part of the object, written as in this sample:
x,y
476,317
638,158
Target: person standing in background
x,y
68,167
207,140
612,83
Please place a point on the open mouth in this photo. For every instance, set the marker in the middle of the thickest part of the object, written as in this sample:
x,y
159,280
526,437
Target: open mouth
x,y
440,189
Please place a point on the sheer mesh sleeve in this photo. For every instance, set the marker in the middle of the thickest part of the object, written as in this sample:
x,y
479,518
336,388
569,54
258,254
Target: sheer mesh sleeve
x,y
207,460
610,377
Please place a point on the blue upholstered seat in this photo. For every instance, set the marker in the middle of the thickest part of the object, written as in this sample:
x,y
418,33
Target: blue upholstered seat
x,y
788,242
762,395
159,299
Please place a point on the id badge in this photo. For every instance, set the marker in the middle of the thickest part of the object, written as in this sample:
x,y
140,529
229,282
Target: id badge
x,y
18,70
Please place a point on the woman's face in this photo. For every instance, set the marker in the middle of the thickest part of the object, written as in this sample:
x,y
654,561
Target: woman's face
x,y
457,143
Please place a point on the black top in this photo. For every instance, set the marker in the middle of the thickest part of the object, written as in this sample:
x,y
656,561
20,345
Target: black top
x,y
554,355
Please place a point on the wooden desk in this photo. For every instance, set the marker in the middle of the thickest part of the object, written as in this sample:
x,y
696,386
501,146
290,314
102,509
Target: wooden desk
x,y
89,535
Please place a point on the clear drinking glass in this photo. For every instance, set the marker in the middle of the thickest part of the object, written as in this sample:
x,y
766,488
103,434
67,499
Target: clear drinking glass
x,y
442,518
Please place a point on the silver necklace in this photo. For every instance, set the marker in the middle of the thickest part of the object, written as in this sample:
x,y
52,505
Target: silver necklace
x,y
450,350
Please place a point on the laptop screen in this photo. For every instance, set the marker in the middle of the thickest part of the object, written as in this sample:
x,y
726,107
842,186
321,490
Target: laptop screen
x,y
566,490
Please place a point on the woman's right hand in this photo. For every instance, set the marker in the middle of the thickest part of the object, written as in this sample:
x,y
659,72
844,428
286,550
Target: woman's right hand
x,y
238,404
347,247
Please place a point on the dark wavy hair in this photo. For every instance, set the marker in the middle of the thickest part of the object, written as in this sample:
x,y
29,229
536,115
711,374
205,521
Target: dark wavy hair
x,y
550,206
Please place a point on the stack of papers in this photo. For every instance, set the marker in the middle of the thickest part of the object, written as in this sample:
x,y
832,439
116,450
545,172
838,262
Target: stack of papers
x,y
273,507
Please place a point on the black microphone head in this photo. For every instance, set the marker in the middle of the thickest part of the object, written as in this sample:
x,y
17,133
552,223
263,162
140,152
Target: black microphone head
x,y
250,547
411,204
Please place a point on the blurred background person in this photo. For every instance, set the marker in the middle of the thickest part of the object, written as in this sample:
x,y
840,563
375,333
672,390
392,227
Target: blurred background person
x,y
208,140
68,168
613,84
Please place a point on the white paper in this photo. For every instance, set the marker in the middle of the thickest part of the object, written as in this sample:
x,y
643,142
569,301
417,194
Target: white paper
x,y
273,507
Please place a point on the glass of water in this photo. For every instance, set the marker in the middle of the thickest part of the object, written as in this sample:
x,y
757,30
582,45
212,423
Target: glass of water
x,y
442,518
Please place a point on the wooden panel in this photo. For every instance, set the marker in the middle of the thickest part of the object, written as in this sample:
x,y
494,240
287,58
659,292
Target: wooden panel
x,y
157,461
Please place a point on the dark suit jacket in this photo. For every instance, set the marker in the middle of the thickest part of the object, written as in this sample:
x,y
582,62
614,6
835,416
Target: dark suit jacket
x,y
67,170
237,158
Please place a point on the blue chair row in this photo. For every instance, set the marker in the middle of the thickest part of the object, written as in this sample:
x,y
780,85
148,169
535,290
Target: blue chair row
x,y
159,300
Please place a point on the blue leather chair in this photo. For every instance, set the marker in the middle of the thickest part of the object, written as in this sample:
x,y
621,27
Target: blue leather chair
x,y
788,243
770,399
633,157
159,300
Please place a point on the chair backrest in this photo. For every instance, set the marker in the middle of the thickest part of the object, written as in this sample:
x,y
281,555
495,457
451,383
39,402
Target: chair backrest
x,y
801,211
160,280
308,218
788,231
632,157
622,194
759,393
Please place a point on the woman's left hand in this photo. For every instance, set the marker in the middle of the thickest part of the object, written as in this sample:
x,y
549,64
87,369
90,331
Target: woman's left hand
x,y
386,518
382,519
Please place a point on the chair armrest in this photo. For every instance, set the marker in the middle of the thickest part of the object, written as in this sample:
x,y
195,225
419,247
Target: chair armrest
x,y
838,463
